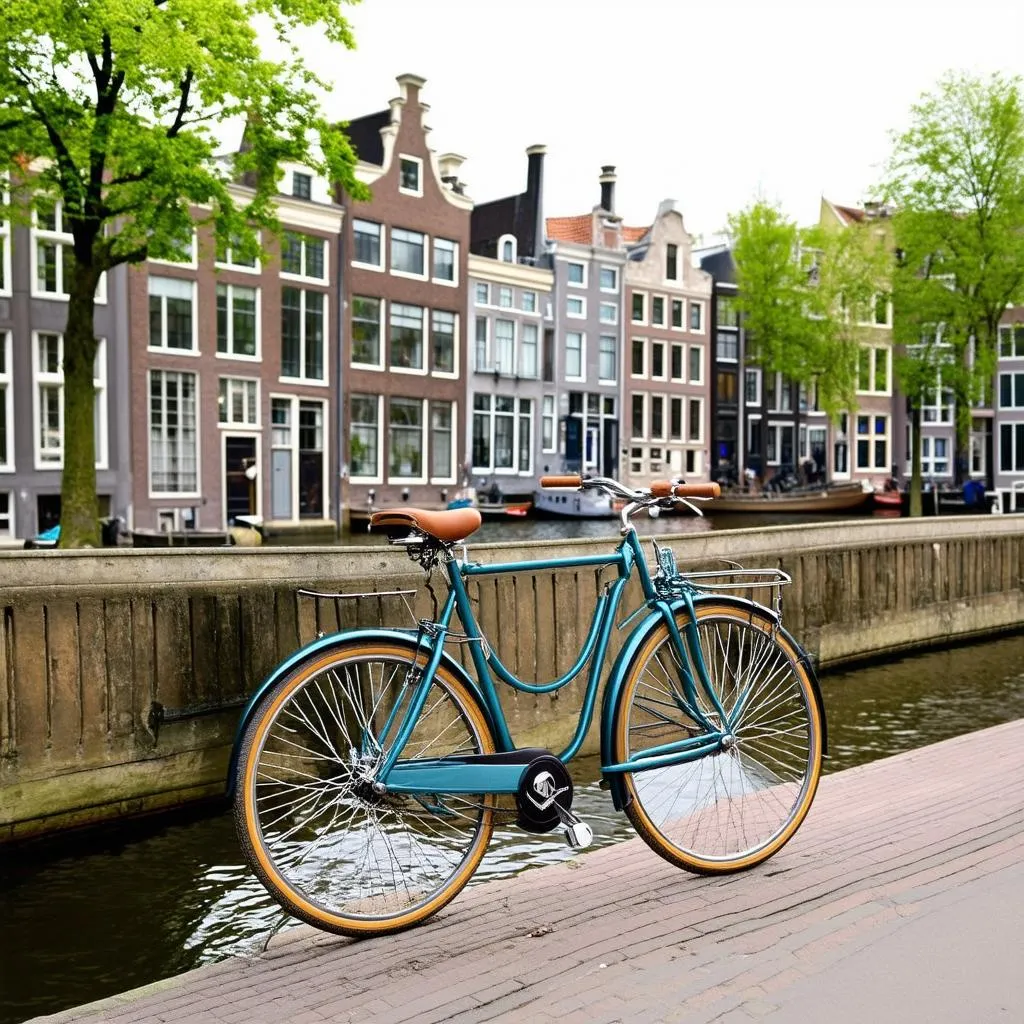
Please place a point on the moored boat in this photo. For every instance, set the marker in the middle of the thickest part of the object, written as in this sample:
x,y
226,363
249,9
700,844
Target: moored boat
x,y
830,498
569,503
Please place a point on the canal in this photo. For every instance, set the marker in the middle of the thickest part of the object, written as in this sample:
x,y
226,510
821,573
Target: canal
x,y
126,907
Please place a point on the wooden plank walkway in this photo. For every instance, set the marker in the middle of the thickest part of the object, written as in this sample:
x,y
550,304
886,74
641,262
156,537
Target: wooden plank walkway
x,y
901,898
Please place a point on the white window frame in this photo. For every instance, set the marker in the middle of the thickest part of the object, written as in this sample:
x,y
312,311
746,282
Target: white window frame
x,y
192,263
1012,404
689,369
492,417
382,323
58,238
679,263
690,399
418,161
775,429
536,302
681,379
502,289
500,368
443,281
549,414
647,360
381,266
427,256
453,454
666,314
583,356
666,354
244,425
410,481
424,368
582,314
303,277
614,290
293,446
642,321
484,363
601,379
228,262
240,430
681,326
6,382
755,372
642,395
454,373
699,307
197,382
520,346
666,413
871,437
312,381
872,389
378,476
614,307
508,240
11,530
586,274
888,310
1014,332
194,350
258,356
40,378
929,458
477,285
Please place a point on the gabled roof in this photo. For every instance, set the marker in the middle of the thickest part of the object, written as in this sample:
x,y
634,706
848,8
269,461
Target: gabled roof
x,y
849,214
571,229
630,235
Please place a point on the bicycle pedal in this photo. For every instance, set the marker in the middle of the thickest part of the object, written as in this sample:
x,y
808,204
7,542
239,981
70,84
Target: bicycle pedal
x,y
579,835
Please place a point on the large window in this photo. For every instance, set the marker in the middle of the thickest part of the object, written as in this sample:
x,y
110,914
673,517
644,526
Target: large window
x,y
6,404
303,316
727,346
172,313
934,456
607,368
446,254
237,321
364,437
502,434
780,444
873,370
238,402
1011,391
638,357
407,252
672,262
695,421
442,453
696,364
547,437
577,273
48,397
609,279
574,355
405,438
873,442
173,447
303,256
366,317
442,337
726,312
1011,339
1011,447
505,346
528,335
406,336
752,386
366,243
480,344
697,317
54,255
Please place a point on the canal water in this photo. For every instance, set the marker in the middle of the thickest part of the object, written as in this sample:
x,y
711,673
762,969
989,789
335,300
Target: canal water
x,y
125,908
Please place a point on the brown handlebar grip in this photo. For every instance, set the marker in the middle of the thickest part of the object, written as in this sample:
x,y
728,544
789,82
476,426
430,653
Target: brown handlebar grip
x,y
561,481
697,490
661,488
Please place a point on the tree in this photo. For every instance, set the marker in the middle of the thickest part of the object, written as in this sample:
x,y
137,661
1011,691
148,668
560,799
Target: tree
x,y
110,107
797,288
956,178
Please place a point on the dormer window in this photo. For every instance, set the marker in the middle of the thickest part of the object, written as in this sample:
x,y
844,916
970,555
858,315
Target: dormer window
x,y
302,185
507,249
410,175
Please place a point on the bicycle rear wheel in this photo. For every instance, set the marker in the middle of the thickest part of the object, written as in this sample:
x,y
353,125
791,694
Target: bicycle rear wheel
x,y
328,848
731,810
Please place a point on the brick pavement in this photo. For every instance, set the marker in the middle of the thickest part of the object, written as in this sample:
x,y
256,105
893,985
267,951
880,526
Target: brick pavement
x,y
899,899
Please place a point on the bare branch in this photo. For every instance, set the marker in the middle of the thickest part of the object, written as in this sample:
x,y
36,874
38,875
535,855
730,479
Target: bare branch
x,y
179,120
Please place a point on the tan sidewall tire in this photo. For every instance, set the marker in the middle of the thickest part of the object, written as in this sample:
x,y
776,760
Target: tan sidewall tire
x,y
245,818
643,825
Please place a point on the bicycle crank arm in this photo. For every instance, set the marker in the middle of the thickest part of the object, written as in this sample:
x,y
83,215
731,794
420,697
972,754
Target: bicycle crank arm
x,y
578,834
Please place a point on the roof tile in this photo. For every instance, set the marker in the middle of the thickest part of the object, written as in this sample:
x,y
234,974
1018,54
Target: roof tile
x,y
571,229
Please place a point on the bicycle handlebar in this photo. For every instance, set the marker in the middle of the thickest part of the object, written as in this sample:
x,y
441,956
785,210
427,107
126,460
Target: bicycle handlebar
x,y
657,489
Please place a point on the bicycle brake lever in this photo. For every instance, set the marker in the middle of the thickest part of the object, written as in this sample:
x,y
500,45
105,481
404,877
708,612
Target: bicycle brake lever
x,y
690,504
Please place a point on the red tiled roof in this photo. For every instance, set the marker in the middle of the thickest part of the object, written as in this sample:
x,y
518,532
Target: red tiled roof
x,y
633,234
850,212
571,229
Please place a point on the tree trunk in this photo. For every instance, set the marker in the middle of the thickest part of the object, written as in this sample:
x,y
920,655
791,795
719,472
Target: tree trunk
x,y
962,444
915,460
79,525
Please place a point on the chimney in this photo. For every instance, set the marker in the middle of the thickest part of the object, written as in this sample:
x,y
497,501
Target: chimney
x,y
535,195
607,181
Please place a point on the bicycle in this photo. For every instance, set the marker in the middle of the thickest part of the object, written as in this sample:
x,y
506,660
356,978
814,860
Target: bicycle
x,y
368,767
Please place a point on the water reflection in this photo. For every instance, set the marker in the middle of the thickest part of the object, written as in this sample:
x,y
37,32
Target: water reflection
x,y
124,912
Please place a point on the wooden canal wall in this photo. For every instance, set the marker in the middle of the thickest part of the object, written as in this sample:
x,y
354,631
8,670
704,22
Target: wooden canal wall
x,y
90,641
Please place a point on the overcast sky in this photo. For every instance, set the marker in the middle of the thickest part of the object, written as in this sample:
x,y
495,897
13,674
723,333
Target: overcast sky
x,y
710,103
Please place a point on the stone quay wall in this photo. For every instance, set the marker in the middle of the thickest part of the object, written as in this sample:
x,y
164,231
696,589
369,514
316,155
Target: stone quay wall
x,y
91,641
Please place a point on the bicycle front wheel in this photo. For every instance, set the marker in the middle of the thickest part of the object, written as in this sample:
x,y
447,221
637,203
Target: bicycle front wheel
x,y
330,849
733,809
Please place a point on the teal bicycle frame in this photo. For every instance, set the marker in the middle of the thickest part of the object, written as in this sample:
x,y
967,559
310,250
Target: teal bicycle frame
x,y
477,774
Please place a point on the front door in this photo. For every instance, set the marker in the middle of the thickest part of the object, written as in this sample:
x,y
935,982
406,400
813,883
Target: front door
x,y
281,484
239,490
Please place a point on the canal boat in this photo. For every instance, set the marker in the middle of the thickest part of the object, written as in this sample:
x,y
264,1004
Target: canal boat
x,y
569,503
831,498
491,504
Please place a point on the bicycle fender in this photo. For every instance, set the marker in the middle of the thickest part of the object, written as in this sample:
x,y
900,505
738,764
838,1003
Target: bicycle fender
x,y
610,706
405,637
